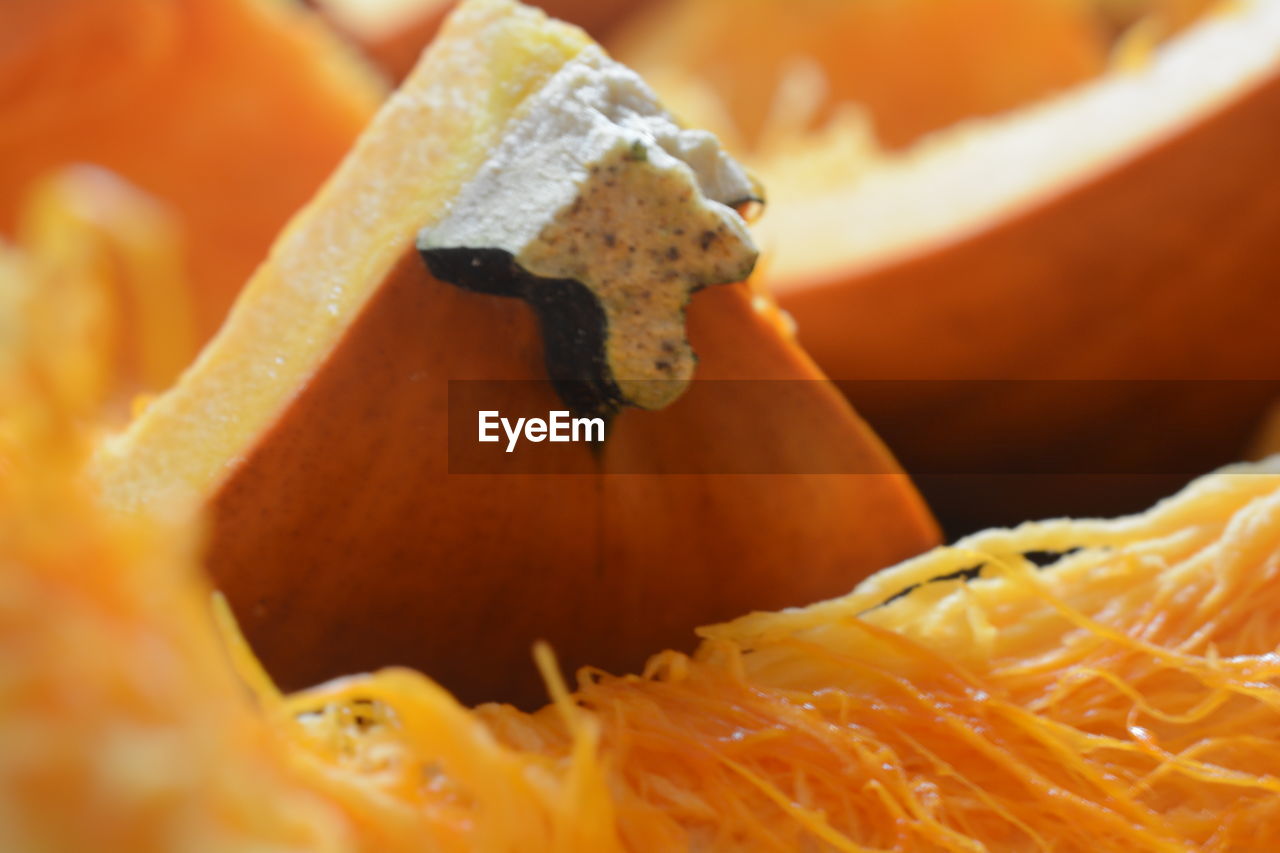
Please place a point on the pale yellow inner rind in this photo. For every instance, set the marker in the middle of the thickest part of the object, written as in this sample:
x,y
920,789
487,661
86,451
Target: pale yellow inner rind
x,y
840,205
424,145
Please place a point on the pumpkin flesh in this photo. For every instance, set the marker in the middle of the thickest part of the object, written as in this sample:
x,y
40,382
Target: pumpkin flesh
x,y
1071,263
313,428
228,112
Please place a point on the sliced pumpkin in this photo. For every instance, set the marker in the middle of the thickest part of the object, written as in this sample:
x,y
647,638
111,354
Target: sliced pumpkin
x,y
231,112
315,427
1104,237
912,65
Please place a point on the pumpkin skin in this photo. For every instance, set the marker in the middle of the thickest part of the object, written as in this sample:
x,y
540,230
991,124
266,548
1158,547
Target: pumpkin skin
x,y
1122,275
315,430
231,112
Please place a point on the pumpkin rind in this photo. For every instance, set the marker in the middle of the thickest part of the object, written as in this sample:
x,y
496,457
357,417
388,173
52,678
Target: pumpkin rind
x,y
314,428
1154,264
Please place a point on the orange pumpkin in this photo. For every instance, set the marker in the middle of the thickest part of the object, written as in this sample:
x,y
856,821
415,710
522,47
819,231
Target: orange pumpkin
x,y
230,112
882,243
1118,238
315,429
912,65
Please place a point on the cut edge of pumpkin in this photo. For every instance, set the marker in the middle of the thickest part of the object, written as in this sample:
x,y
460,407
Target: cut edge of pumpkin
x,y
253,361
974,176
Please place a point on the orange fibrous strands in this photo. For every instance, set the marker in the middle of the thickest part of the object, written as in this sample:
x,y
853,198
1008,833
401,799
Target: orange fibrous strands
x,y
1124,698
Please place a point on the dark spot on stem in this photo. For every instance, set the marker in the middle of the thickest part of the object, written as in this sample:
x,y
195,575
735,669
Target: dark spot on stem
x,y
571,318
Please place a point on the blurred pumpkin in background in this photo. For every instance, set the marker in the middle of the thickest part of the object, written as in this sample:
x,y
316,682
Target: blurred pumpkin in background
x,y
1018,301
1161,18
756,70
1044,284
228,113
119,253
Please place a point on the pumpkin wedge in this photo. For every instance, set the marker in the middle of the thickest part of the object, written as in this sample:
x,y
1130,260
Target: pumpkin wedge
x,y
911,65
231,112
1105,237
316,427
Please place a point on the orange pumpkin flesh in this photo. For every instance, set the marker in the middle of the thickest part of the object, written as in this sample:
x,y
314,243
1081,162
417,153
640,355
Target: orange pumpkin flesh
x,y
1085,273
314,429
229,111
118,250
913,65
